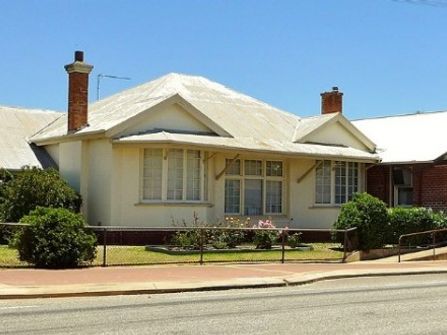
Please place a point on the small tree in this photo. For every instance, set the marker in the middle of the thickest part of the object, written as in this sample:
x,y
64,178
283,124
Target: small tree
x,y
55,238
369,215
34,187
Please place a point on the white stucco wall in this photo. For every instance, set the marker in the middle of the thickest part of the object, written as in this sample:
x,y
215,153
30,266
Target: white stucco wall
x,y
99,169
127,208
70,158
336,134
173,117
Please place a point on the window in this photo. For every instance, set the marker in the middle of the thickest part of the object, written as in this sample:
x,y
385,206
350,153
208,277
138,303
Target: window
x,y
152,174
336,182
254,187
173,175
403,186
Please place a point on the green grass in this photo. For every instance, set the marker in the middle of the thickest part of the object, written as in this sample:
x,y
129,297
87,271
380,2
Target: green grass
x,y
126,255
10,257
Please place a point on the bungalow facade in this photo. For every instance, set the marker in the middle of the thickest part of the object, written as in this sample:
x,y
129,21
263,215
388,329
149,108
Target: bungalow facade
x,y
156,154
413,170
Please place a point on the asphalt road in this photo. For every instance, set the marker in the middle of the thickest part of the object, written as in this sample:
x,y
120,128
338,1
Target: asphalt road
x,y
386,305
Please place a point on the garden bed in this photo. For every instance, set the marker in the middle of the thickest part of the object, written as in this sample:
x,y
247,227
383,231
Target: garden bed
x,y
173,250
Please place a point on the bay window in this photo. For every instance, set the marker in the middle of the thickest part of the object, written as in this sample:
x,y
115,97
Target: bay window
x,y
254,187
173,175
335,182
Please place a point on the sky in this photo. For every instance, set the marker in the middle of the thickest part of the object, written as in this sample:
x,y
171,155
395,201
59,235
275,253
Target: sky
x,y
387,56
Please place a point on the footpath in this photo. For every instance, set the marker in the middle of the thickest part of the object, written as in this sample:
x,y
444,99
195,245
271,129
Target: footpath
x,y
36,283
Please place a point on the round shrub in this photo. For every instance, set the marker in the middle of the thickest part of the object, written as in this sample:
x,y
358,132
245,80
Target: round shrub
x,y
32,187
55,238
369,215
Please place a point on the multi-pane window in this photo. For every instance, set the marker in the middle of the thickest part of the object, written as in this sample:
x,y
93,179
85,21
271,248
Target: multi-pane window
x,y
152,174
323,183
173,175
193,173
336,182
254,187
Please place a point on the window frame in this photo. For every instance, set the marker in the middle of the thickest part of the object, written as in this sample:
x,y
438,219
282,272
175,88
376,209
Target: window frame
x,y
398,187
165,174
348,178
242,176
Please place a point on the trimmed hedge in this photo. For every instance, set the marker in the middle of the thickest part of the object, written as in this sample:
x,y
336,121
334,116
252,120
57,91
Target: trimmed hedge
x,y
378,225
55,238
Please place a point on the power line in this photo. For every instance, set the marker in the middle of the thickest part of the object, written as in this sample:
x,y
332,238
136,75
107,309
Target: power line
x,y
431,3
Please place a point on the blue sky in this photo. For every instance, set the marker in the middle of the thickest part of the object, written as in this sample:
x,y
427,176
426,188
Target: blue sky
x,y
388,57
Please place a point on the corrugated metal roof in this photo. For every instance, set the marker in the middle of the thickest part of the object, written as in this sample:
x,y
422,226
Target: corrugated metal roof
x,y
251,144
419,137
247,120
236,113
16,125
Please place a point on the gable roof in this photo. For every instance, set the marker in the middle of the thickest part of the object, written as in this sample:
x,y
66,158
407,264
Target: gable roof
x,y
308,126
229,114
235,113
16,125
410,138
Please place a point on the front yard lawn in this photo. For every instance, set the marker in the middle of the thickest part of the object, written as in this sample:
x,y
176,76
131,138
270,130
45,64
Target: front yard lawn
x,y
129,255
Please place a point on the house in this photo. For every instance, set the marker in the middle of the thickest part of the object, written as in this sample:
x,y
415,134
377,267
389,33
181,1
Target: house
x,y
16,126
178,145
413,148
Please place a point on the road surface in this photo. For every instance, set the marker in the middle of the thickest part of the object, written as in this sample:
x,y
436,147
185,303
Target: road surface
x,y
385,305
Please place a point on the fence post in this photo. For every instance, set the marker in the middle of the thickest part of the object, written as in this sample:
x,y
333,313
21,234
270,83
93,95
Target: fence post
x,y
201,246
434,245
398,250
104,251
345,245
283,242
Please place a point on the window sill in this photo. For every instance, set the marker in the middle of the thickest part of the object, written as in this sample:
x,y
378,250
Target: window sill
x,y
328,206
174,204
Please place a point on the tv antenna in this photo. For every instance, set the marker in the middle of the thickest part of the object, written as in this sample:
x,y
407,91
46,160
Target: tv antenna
x,y
98,81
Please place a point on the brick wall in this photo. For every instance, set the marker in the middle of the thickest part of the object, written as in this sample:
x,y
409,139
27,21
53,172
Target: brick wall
x,y
429,185
378,182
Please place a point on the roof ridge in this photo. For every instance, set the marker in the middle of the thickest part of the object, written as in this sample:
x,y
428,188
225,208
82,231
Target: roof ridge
x,y
29,109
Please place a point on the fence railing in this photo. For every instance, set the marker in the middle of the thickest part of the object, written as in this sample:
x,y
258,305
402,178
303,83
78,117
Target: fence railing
x,y
118,245
429,239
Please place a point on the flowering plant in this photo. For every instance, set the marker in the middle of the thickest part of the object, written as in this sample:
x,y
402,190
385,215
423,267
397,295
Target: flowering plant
x,y
264,238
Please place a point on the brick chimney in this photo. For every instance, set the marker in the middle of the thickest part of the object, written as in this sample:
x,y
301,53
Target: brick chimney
x,y
78,72
331,102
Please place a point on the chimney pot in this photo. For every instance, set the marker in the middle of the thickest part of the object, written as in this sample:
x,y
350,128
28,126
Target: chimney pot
x,y
79,56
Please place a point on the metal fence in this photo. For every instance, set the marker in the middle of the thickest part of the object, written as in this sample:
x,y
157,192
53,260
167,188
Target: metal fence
x,y
430,239
160,245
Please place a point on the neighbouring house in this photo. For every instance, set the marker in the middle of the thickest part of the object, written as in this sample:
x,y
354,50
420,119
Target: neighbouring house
x,y
16,126
155,154
413,148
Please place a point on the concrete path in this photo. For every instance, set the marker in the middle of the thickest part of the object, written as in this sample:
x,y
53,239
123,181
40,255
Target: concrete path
x,y
440,253
33,283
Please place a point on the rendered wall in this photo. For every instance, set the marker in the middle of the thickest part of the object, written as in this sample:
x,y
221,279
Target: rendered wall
x,y
336,134
127,208
98,171
70,157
